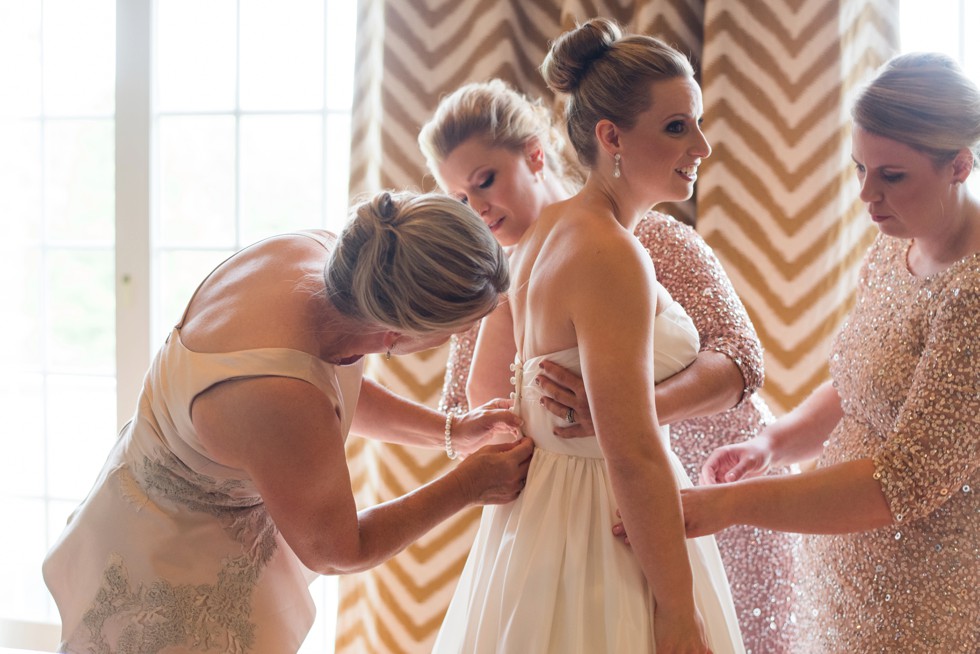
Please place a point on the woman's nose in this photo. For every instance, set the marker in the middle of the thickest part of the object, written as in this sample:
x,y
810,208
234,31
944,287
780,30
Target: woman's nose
x,y
701,147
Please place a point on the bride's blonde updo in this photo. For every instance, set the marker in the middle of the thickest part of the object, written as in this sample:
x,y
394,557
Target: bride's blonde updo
x,y
415,263
607,74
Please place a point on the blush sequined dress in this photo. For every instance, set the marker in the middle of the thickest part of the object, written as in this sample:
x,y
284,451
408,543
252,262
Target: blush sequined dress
x,y
906,365
758,562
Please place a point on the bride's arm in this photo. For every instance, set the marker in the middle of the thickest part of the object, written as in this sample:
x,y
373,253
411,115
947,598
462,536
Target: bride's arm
x,y
612,311
495,350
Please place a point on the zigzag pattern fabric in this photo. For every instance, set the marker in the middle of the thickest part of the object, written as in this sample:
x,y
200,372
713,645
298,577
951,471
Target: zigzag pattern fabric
x,y
776,200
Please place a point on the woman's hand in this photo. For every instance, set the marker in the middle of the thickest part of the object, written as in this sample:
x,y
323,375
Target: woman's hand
x,y
706,511
563,393
495,474
744,460
493,420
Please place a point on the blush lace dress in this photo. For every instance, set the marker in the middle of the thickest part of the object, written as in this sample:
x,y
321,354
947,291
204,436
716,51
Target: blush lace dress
x,y
172,551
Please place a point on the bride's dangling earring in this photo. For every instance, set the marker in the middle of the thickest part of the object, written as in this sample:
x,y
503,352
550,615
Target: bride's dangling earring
x,y
616,171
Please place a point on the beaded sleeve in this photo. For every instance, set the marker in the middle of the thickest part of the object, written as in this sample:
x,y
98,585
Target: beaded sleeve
x,y
934,449
457,371
692,274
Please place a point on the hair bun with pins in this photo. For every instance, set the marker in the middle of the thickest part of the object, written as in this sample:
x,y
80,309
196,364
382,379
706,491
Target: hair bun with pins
x,y
573,53
384,208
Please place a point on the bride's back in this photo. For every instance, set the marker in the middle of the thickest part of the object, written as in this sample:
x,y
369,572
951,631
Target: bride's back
x,y
571,244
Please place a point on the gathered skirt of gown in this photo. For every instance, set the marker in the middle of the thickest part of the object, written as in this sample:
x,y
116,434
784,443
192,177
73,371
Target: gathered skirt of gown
x,y
545,573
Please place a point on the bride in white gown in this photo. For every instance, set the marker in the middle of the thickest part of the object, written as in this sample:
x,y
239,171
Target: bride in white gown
x,y
545,573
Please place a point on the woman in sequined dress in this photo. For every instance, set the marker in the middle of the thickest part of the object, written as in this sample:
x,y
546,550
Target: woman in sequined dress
x,y
504,157
893,562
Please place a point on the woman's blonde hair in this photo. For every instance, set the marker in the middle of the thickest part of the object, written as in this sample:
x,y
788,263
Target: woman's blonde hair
x,y
924,100
415,263
606,75
496,113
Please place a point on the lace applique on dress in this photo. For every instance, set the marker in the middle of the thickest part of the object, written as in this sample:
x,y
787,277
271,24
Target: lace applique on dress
x,y
203,617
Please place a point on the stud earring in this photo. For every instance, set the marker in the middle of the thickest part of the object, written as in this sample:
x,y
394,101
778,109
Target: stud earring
x,y
616,172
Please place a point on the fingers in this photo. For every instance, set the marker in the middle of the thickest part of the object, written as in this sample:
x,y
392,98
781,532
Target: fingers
x,y
577,430
714,467
739,470
555,392
563,376
554,407
499,403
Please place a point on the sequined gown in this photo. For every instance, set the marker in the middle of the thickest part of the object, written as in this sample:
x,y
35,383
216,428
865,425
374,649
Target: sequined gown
x,y
174,552
545,575
759,562
906,365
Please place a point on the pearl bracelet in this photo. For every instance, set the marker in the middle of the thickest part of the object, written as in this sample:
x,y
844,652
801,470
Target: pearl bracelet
x,y
450,452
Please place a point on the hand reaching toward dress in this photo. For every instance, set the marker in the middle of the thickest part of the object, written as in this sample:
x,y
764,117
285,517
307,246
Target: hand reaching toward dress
x,y
744,460
495,474
563,394
707,510
488,421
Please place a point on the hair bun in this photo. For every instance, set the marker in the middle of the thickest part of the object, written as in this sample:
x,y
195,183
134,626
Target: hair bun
x,y
573,53
384,208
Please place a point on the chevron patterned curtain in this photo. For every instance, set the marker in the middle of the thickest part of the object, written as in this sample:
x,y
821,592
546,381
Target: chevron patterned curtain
x,y
776,200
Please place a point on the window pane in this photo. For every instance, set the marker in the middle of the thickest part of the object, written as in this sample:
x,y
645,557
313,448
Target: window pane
x,y
971,46
24,595
20,41
79,56
338,171
81,416
22,408
197,181
81,310
179,274
20,180
20,295
281,169
79,180
929,26
341,30
281,54
196,55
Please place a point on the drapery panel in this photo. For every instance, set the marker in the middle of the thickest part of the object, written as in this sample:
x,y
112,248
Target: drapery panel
x,y
776,200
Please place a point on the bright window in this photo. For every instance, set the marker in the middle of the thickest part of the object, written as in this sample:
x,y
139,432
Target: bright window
x,y
238,128
118,194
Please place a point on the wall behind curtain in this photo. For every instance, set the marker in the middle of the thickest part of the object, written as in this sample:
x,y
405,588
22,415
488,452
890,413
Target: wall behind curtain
x,y
775,200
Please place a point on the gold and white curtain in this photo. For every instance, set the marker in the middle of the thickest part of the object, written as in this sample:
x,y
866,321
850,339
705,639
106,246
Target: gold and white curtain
x,y
776,200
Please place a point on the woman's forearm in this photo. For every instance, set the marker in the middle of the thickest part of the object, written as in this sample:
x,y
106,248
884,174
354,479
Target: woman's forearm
x,y
387,416
388,528
838,499
800,434
711,384
640,481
